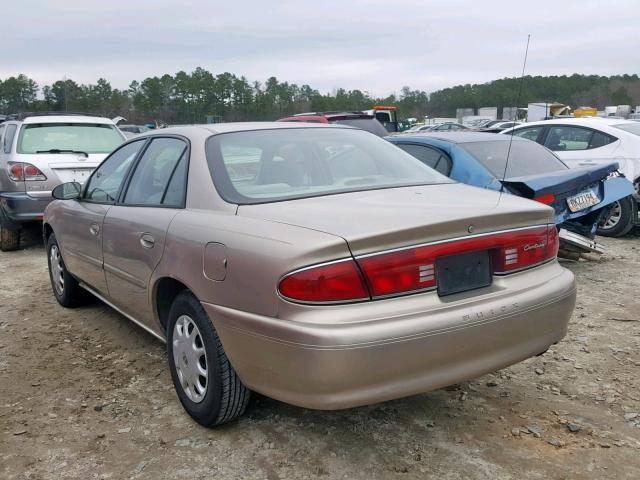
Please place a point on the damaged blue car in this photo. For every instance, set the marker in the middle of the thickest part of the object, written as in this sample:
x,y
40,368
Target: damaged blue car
x,y
581,197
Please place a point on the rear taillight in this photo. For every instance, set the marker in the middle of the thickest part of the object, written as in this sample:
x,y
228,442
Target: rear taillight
x,y
19,171
525,248
332,282
547,198
414,269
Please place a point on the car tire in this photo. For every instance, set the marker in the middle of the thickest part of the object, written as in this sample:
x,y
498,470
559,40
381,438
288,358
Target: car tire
x,y
9,239
206,383
66,288
620,219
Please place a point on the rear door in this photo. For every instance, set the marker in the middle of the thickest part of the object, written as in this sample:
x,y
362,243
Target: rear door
x,y
79,230
135,229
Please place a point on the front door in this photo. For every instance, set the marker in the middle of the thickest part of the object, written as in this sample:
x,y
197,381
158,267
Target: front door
x,y
81,239
135,229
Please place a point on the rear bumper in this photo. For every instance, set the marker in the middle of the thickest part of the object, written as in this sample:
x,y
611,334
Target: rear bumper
x,y
18,207
341,365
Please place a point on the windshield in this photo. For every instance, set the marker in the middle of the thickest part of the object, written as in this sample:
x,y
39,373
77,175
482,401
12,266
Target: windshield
x,y
81,137
526,158
371,125
270,165
631,127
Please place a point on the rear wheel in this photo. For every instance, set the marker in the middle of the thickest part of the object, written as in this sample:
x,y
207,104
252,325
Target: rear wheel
x,y
620,219
9,239
66,288
206,383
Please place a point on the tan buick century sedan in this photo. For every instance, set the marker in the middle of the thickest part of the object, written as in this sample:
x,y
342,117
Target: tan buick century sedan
x,y
318,265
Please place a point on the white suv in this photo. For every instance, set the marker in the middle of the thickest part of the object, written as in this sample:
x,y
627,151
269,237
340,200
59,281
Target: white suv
x,y
40,151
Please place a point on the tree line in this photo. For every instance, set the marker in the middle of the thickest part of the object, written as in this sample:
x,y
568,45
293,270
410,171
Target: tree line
x,y
194,97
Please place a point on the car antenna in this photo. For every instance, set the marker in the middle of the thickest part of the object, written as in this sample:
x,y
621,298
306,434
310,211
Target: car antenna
x,y
524,65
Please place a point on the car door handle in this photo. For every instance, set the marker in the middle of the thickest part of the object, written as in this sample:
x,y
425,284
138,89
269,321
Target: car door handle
x,y
147,240
94,229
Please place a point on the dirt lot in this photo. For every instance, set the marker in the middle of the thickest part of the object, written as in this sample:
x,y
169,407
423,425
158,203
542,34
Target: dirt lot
x,y
86,394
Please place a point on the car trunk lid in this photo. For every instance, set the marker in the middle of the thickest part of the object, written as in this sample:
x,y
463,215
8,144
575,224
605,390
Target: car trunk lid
x,y
562,189
375,220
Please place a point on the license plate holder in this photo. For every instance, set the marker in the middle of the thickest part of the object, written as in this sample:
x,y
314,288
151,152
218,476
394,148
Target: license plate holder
x,y
582,200
460,273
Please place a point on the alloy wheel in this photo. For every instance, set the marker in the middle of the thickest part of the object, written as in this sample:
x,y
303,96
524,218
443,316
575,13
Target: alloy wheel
x,y
614,217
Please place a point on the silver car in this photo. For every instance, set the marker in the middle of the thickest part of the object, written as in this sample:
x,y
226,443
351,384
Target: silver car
x,y
316,264
39,152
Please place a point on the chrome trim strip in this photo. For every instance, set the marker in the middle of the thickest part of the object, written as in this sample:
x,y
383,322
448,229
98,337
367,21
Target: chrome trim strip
x,y
526,268
448,240
137,322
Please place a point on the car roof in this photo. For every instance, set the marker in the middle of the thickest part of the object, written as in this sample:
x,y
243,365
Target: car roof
x,y
584,121
67,119
459,137
216,128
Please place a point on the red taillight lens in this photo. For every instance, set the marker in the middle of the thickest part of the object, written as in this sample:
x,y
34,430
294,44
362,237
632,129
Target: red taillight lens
x,y
401,271
16,173
525,248
19,172
547,198
30,171
414,269
334,282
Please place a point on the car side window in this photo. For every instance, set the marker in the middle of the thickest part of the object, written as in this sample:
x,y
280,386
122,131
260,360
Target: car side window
x,y
561,138
600,139
9,133
429,156
152,181
104,184
530,133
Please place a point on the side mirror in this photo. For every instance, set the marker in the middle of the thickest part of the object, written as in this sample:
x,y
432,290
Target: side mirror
x,y
67,191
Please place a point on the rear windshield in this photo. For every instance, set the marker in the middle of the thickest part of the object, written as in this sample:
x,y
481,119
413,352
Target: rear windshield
x,y
271,165
631,127
526,157
82,137
371,125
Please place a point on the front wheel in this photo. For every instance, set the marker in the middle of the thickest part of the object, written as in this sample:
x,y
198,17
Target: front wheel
x,y
620,219
206,383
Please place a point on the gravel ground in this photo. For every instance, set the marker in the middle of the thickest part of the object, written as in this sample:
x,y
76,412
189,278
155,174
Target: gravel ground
x,y
86,394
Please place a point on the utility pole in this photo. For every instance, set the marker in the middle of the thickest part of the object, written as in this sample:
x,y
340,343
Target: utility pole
x,y
64,79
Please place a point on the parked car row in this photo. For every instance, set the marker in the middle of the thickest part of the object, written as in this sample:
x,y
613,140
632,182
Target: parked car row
x,y
308,260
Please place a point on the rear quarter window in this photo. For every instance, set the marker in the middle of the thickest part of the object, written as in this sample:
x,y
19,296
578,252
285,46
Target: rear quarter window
x,y
10,132
525,158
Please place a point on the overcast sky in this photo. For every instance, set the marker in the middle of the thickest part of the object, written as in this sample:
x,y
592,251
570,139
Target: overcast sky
x,y
376,46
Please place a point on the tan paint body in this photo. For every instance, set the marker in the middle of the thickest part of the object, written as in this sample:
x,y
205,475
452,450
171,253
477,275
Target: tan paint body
x,y
323,357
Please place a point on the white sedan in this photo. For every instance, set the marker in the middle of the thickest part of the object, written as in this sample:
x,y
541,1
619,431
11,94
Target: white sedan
x,y
582,142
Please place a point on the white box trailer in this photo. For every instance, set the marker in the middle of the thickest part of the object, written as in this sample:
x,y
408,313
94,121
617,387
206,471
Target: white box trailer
x,y
541,110
509,113
464,112
623,111
491,112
